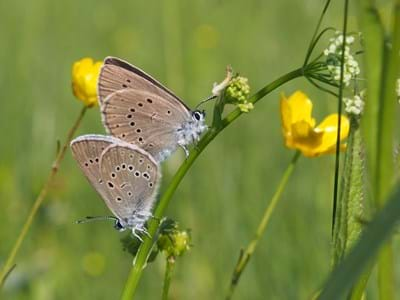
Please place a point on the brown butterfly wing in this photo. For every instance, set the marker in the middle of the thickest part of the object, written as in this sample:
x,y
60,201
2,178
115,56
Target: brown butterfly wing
x,y
117,74
144,119
131,177
87,150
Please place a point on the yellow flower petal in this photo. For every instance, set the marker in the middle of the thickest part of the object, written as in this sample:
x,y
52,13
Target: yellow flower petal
x,y
299,127
286,115
301,108
329,129
84,80
301,130
330,123
305,138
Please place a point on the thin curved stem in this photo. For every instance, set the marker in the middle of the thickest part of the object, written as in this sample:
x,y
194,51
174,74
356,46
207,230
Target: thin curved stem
x,y
144,250
339,125
324,80
316,59
321,87
9,265
169,268
315,42
245,255
313,39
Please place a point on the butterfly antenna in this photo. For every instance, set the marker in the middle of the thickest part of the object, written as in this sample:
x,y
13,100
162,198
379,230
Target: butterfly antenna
x,y
97,218
205,100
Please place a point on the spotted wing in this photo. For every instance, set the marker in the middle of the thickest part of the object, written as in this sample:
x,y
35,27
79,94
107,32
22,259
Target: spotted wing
x,y
117,74
131,177
144,119
87,150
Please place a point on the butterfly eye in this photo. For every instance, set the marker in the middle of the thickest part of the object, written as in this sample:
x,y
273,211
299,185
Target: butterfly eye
x,y
197,115
118,225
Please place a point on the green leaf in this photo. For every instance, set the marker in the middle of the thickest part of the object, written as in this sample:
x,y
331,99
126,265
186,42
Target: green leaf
x,y
350,205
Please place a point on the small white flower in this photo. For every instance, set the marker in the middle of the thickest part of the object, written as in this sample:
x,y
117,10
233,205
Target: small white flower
x,y
354,106
333,59
350,40
398,88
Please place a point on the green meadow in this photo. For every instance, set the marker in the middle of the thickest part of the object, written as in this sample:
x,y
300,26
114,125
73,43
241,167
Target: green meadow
x,y
187,46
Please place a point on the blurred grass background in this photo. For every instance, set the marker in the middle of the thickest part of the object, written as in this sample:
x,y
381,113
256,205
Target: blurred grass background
x,y
186,45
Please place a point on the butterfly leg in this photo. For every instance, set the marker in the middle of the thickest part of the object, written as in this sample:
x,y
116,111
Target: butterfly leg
x,y
141,229
184,149
145,232
196,143
136,235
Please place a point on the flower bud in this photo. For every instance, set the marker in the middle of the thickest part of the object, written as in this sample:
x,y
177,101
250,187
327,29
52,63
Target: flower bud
x,y
174,243
238,90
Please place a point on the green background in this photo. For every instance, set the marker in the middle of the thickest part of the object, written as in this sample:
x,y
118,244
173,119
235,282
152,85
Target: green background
x,y
186,45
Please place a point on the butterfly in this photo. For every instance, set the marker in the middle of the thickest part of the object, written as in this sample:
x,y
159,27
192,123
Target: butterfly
x,y
138,109
125,176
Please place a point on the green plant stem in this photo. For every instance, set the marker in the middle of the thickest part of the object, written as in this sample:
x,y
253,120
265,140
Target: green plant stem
x,y
386,288
373,39
321,87
340,100
144,250
358,289
315,37
245,255
384,159
39,200
169,268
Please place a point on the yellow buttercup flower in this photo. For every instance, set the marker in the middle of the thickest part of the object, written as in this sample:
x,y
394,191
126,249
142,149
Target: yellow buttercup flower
x,y
299,128
85,73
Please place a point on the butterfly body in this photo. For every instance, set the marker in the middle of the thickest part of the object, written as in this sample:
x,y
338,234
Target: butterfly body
x,y
138,109
191,130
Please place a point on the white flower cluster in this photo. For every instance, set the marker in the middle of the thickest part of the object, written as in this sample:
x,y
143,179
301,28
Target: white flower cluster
x,y
354,106
333,58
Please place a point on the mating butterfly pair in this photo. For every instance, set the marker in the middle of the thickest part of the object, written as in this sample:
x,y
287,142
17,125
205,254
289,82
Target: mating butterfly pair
x,y
147,123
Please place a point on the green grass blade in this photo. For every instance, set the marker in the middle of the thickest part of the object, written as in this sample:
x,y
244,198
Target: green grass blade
x,y
348,272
